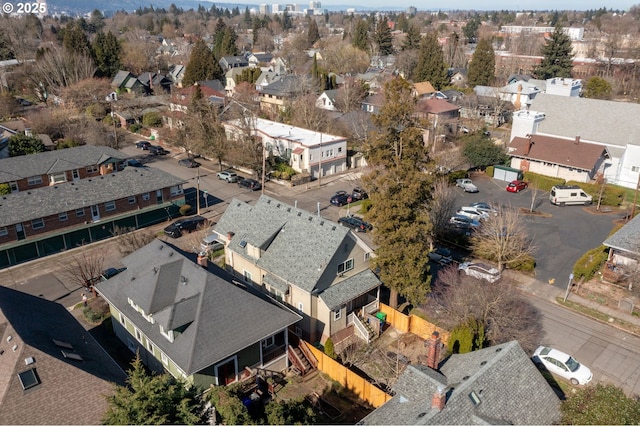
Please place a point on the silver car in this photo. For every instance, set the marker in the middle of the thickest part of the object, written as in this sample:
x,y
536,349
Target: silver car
x,y
480,271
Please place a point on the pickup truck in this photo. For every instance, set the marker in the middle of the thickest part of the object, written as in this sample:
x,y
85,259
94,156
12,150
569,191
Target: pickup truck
x,y
466,185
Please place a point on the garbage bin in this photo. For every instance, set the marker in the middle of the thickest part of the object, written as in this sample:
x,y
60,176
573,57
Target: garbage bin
x,y
381,316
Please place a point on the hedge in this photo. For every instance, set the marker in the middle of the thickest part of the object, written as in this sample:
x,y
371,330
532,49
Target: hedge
x,y
590,263
542,182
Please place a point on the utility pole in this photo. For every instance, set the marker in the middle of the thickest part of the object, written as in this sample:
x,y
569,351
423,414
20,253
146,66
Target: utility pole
x,y
198,190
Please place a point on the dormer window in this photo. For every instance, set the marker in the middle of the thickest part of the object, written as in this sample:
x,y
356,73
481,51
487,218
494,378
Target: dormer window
x,y
168,334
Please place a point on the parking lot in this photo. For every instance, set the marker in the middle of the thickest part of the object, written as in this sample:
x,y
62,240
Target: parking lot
x,y
560,234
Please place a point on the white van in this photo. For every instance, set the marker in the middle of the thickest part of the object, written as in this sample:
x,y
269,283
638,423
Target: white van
x,y
210,243
562,195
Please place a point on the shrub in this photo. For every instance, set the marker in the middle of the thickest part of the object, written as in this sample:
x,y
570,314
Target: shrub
x,y
365,206
329,349
542,182
461,339
458,174
5,189
489,171
590,262
524,265
152,119
185,209
135,127
96,111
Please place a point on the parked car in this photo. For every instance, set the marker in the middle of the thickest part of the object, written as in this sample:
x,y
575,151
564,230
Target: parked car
x,y
157,150
132,162
516,186
144,145
355,223
228,175
441,255
484,207
340,199
359,194
472,213
557,362
189,162
463,222
251,184
186,224
466,185
480,271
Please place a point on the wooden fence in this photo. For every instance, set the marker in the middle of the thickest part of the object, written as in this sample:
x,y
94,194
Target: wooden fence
x,y
412,324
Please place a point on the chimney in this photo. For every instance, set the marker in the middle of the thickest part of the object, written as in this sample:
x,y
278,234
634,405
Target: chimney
x,y
230,235
433,357
577,140
529,144
439,398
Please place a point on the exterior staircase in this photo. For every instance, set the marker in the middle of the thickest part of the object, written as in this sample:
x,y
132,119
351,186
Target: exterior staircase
x,y
302,358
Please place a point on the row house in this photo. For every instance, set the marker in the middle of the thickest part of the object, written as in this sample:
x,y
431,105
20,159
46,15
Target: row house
x,y
306,151
27,172
49,219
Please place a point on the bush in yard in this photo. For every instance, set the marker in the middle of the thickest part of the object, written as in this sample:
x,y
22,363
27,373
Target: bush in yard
x,y
365,206
600,404
458,174
590,262
152,119
329,349
135,127
524,265
185,209
5,189
461,339
490,171
228,405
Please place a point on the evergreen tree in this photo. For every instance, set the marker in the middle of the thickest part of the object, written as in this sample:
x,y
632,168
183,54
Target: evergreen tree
x,y
483,65
106,51
361,35
597,88
431,66
470,30
399,189
557,61
402,23
202,65
224,40
413,38
382,37
314,34
154,400
75,40
21,144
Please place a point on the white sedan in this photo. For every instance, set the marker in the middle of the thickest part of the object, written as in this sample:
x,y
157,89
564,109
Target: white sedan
x,y
480,271
472,213
563,365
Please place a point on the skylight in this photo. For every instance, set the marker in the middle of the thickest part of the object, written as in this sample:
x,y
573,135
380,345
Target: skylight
x,y
29,379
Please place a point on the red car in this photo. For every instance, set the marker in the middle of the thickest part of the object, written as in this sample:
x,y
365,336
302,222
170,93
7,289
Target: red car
x,y
516,186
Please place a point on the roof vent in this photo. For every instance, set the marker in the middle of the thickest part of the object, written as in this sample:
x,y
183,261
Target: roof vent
x,y
288,209
9,338
322,223
183,280
170,253
310,218
14,348
465,378
155,269
299,213
483,363
29,361
333,228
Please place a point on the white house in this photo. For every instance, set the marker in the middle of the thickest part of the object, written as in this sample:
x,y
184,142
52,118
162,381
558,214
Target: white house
x,y
306,151
327,100
564,86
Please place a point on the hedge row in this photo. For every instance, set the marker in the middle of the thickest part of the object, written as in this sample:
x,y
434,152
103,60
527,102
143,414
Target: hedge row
x,y
590,263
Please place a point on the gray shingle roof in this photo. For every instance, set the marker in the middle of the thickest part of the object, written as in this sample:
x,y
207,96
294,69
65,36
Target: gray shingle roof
x,y
350,288
222,318
285,87
50,200
510,389
24,166
570,117
626,238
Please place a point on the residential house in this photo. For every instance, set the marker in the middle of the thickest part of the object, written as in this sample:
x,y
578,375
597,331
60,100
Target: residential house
x,y
196,324
624,245
230,62
53,371
563,87
495,385
46,220
176,73
457,77
274,96
423,89
373,80
556,157
489,108
267,77
157,83
327,100
437,110
27,172
567,117
230,80
520,94
125,81
306,151
372,103
211,90
310,263
259,58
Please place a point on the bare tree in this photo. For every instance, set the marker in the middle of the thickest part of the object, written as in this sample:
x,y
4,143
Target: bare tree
x,y
130,240
441,207
85,267
503,311
344,58
503,239
58,68
350,95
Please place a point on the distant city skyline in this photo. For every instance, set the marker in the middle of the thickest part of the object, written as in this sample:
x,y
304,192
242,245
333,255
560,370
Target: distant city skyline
x,y
475,5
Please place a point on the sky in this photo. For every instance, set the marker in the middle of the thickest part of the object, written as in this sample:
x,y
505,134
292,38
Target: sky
x,y
483,5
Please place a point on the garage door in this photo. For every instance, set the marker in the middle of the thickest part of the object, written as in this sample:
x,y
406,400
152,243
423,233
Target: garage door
x,y
506,174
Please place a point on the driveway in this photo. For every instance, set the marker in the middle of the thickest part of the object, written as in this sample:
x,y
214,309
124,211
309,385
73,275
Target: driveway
x,y
560,237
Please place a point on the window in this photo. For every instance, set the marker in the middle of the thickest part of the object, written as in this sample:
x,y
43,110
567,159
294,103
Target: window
x,y
62,216
337,314
14,186
122,318
168,334
132,200
300,307
109,206
175,190
37,223
367,256
275,293
247,277
92,169
164,358
80,212
345,266
635,169
146,197
339,149
3,231
150,346
269,341
58,177
138,335
34,180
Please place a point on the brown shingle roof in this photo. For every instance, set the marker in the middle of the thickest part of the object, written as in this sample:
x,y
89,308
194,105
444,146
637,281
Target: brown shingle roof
x,y
423,88
435,106
568,153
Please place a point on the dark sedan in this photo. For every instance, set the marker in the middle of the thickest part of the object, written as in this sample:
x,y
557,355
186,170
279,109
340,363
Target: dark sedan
x,y
143,145
189,162
251,184
355,223
359,194
340,199
186,224
157,150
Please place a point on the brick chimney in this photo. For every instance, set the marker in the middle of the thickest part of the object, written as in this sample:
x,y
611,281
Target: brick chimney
x,y
577,140
529,144
433,356
439,398
230,235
